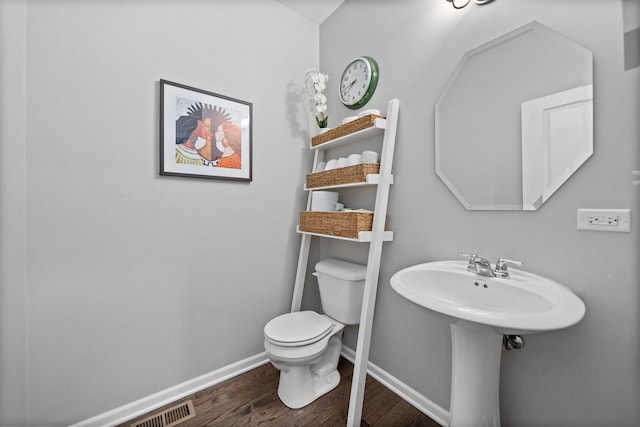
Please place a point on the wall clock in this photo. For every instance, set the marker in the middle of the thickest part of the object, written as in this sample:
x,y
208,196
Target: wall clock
x,y
358,82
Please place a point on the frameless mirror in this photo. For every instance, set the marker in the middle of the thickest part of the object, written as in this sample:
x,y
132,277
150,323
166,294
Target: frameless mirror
x,y
515,120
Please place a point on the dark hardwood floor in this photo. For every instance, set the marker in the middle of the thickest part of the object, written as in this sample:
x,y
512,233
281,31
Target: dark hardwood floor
x,y
251,400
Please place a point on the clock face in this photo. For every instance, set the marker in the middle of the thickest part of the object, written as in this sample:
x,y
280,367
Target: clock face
x,y
358,82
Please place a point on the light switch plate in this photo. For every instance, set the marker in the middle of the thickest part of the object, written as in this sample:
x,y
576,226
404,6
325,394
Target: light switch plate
x,y
617,220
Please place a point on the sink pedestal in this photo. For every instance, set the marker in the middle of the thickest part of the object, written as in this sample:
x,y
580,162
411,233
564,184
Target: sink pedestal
x,y
481,310
475,375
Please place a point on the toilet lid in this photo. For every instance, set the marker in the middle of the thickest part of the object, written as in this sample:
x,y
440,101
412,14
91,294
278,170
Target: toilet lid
x,y
297,328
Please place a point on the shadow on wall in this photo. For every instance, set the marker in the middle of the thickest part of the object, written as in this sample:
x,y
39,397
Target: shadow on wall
x,y
632,49
294,99
631,33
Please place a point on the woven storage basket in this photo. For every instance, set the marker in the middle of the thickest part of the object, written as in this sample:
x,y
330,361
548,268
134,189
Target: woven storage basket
x,y
345,129
346,175
343,224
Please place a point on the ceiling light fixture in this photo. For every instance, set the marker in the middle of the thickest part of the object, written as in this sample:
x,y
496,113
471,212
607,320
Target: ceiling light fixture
x,y
459,4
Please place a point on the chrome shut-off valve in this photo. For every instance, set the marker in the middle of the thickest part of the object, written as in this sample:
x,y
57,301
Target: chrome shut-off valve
x,y
512,342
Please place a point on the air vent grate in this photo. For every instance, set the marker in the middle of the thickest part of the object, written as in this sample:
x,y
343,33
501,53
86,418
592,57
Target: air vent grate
x,y
169,417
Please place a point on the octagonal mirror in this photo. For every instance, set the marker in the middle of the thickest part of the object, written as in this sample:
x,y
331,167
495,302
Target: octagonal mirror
x,y
515,120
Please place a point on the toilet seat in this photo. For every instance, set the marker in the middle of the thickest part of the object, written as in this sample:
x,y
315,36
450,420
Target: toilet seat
x,y
297,329
295,347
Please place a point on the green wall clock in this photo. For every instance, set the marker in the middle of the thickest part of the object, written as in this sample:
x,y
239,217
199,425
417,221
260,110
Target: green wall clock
x,y
358,82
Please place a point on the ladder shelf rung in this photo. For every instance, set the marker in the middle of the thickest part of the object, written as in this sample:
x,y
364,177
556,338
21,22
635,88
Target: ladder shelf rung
x,y
363,236
371,179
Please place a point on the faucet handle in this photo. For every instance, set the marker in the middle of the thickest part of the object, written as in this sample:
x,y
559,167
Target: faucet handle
x,y
472,260
501,266
471,256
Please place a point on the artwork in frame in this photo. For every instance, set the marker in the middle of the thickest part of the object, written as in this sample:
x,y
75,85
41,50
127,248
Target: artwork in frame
x,y
203,134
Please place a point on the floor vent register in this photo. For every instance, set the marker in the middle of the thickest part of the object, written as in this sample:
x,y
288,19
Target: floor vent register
x,y
169,417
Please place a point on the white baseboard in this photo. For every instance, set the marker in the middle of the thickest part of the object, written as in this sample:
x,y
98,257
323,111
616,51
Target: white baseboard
x,y
411,396
150,403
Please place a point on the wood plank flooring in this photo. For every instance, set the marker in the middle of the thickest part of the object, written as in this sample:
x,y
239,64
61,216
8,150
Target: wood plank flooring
x,y
251,400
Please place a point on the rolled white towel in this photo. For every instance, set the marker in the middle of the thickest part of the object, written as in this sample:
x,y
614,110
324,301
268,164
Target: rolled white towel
x,y
370,157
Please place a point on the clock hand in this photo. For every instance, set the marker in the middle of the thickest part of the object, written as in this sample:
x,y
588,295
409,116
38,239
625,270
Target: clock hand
x,y
351,84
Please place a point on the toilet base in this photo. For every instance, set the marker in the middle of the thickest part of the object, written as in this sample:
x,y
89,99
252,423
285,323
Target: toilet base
x,y
300,385
298,389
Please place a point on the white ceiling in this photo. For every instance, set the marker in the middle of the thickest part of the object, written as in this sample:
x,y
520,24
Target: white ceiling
x,y
315,10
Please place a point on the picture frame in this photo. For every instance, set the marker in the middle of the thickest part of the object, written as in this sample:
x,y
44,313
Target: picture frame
x,y
204,134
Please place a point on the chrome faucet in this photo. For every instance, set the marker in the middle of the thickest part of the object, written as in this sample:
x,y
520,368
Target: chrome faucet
x,y
478,265
482,266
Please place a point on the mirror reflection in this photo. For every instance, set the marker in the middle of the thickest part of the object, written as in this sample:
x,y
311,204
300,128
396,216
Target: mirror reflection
x,y
515,120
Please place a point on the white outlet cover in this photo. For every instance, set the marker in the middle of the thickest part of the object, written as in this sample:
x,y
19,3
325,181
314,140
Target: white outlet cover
x,y
623,220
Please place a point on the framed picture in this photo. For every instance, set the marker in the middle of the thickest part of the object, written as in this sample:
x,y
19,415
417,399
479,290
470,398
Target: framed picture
x,y
203,134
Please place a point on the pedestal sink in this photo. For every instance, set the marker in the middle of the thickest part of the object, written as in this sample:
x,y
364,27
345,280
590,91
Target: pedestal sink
x,y
482,309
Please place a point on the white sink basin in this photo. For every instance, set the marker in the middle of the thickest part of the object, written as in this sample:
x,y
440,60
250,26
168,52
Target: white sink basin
x,y
523,303
482,310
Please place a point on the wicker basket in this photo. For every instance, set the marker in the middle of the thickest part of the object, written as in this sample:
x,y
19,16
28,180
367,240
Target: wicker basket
x,y
345,129
346,175
343,224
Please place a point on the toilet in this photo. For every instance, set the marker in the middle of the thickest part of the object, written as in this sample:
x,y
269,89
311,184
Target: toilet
x,y
304,345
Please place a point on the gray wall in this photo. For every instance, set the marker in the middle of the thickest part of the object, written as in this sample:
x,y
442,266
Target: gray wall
x,y
12,214
118,283
103,302
586,375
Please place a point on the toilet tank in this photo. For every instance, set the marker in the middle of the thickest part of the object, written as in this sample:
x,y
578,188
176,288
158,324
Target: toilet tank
x,y
341,285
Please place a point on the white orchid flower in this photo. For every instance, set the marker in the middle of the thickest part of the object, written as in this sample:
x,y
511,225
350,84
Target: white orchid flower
x,y
316,84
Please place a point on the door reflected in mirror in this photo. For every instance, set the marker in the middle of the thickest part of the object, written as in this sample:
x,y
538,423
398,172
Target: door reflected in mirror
x,y
515,120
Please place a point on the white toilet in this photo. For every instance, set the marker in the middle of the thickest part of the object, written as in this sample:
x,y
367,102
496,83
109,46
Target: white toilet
x,y
304,345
